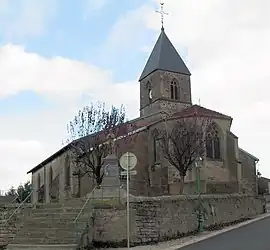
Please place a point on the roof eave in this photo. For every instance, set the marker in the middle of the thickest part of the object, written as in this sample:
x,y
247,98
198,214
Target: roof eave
x,y
49,159
144,76
247,153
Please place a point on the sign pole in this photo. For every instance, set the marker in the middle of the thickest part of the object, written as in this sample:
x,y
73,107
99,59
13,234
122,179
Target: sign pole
x,y
128,162
128,243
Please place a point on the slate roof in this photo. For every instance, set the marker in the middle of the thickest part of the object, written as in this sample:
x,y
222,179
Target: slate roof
x,y
122,129
164,57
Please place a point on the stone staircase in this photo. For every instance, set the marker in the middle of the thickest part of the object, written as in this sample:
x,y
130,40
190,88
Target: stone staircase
x,y
51,226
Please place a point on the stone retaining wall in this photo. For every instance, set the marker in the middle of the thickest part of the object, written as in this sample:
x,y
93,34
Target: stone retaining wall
x,y
162,218
267,198
15,222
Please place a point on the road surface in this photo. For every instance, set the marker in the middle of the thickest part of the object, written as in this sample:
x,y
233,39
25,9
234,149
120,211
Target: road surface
x,y
254,236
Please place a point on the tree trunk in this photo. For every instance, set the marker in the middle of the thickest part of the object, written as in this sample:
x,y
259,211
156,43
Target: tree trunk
x,y
181,184
98,176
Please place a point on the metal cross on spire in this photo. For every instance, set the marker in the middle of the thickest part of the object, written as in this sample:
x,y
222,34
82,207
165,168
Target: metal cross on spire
x,y
162,13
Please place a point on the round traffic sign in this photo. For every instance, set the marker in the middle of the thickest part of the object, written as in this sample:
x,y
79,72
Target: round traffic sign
x,y
128,161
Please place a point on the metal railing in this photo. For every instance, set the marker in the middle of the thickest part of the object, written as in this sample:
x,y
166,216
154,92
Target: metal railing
x,y
84,219
85,204
82,225
17,209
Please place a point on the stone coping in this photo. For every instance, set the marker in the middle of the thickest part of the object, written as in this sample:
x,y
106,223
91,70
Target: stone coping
x,y
134,199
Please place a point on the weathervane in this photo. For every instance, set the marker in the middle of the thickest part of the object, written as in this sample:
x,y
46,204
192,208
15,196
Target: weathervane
x,y
162,13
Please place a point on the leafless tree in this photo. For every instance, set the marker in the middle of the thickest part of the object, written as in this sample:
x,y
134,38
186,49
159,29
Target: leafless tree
x,y
183,143
88,138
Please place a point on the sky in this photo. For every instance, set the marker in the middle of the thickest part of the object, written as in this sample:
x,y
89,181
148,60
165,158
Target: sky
x,y
58,55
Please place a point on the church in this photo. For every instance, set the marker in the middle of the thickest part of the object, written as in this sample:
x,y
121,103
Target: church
x,y
165,96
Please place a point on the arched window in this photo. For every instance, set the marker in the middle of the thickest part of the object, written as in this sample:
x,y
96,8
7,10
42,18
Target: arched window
x,y
157,151
38,181
67,172
213,142
174,90
150,92
50,176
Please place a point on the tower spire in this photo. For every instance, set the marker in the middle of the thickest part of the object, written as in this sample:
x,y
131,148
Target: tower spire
x,y
162,13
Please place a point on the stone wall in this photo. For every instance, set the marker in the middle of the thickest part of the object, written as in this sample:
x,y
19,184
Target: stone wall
x,y
6,210
263,185
162,218
267,198
15,222
249,178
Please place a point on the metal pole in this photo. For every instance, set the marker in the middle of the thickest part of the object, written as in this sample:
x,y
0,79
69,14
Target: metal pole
x,y
200,216
128,243
199,181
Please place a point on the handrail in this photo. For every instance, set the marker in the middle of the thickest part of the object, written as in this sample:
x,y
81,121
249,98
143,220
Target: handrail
x,y
15,211
16,197
84,205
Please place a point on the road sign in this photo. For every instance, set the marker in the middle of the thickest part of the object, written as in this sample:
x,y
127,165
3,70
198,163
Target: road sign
x,y
128,161
132,172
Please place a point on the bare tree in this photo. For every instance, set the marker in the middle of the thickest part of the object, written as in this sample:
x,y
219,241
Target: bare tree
x,y
88,138
183,143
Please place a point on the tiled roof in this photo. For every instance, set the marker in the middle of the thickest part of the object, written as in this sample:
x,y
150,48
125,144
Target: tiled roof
x,y
200,111
121,130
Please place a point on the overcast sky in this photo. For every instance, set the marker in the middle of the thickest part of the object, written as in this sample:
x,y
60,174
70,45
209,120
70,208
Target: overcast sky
x,y
57,55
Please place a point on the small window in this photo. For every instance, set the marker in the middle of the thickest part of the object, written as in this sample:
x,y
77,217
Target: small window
x,y
67,172
174,90
38,181
50,176
157,151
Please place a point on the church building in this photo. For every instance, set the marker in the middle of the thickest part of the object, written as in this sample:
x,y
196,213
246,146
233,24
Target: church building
x,y
165,96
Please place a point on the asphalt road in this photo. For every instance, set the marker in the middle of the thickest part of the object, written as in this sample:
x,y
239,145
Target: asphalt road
x,y
254,236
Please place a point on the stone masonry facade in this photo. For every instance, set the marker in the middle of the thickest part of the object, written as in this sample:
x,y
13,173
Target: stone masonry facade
x,y
235,172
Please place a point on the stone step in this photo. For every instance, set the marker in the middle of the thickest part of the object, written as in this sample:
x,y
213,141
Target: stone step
x,y
54,215
52,224
57,210
75,206
37,221
41,247
59,218
42,240
59,234
6,233
60,205
45,230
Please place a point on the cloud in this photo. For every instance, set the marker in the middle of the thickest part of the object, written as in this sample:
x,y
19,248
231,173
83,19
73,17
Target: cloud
x,y
26,140
58,78
126,35
91,6
228,54
24,18
16,156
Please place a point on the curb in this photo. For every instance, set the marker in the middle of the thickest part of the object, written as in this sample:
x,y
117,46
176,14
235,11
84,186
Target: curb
x,y
210,235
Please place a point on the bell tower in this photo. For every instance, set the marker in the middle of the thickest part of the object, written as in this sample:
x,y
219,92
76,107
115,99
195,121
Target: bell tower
x,y
165,80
